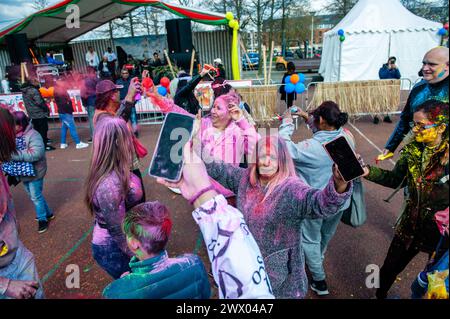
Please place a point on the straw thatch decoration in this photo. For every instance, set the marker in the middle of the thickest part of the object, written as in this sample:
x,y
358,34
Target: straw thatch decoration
x,y
359,97
263,101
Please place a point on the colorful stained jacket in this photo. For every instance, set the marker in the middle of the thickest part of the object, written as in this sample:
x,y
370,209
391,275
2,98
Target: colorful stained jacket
x,y
427,193
161,277
110,207
275,223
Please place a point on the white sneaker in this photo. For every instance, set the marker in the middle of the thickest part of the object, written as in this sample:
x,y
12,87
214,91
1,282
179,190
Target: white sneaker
x,y
63,146
82,145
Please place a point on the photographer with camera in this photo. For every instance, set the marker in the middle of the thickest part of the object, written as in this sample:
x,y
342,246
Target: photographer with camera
x,y
389,70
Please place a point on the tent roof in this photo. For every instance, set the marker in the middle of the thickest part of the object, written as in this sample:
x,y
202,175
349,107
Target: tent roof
x,y
376,16
49,25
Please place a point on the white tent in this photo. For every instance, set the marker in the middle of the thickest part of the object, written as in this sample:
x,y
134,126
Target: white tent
x,y
374,31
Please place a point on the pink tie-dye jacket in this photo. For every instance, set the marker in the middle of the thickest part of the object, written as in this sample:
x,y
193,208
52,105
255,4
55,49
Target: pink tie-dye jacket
x,y
239,138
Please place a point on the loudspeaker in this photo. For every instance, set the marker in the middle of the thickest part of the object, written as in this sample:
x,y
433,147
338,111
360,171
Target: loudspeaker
x,y
68,54
121,56
179,35
181,60
172,36
18,48
185,35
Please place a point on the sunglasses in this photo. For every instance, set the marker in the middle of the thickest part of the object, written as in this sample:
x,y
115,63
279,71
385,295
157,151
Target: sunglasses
x,y
418,127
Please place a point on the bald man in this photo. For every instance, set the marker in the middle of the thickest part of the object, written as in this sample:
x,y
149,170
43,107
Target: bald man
x,y
434,86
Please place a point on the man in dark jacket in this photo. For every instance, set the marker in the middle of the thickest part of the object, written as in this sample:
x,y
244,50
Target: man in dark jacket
x,y
88,96
65,110
104,67
184,96
389,70
37,109
125,81
153,274
288,97
434,86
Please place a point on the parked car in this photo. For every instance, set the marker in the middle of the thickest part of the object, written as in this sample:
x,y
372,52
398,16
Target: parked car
x,y
301,65
253,64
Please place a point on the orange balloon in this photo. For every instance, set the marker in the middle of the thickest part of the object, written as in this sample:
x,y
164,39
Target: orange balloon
x,y
47,93
295,78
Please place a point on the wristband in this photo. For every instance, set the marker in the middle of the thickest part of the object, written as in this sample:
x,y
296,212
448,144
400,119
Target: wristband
x,y
200,193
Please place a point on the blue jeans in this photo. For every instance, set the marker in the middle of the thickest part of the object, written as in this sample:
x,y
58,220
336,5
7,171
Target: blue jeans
x,y
34,190
67,122
316,234
113,260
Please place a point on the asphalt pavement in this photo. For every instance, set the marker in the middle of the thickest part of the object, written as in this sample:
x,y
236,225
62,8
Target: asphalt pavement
x,y
66,244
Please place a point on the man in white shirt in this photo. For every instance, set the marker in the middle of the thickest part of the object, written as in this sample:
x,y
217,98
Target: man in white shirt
x,y
112,58
92,58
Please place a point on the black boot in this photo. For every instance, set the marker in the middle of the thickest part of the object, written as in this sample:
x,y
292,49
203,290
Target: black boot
x,y
376,120
387,119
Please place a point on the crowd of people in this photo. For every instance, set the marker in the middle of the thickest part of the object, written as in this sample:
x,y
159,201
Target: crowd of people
x,y
107,65
267,207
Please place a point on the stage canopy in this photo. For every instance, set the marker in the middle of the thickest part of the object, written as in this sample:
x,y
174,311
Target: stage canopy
x,y
49,25
375,30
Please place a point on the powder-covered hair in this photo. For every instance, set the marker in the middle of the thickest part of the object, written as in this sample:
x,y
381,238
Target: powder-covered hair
x,y
230,98
286,166
436,111
150,224
220,87
111,152
7,135
21,119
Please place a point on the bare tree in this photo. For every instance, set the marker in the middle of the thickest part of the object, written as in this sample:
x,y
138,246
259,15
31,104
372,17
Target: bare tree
x,y
149,20
259,9
238,7
273,10
340,7
437,11
130,17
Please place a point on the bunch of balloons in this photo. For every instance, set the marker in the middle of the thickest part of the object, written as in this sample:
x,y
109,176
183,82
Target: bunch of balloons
x,y
163,89
295,83
341,34
443,31
232,22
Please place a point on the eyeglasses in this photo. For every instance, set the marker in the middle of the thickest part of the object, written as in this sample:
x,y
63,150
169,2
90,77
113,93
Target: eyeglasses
x,y
418,127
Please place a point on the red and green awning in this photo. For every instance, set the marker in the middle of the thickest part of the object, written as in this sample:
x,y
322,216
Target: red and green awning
x,y
197,15
49,25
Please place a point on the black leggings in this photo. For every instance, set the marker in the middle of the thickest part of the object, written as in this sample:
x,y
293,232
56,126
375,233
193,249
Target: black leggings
x,y
398,257
137,172
41,126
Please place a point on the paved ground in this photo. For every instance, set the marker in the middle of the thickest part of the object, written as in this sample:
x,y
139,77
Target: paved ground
x,y
67,242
